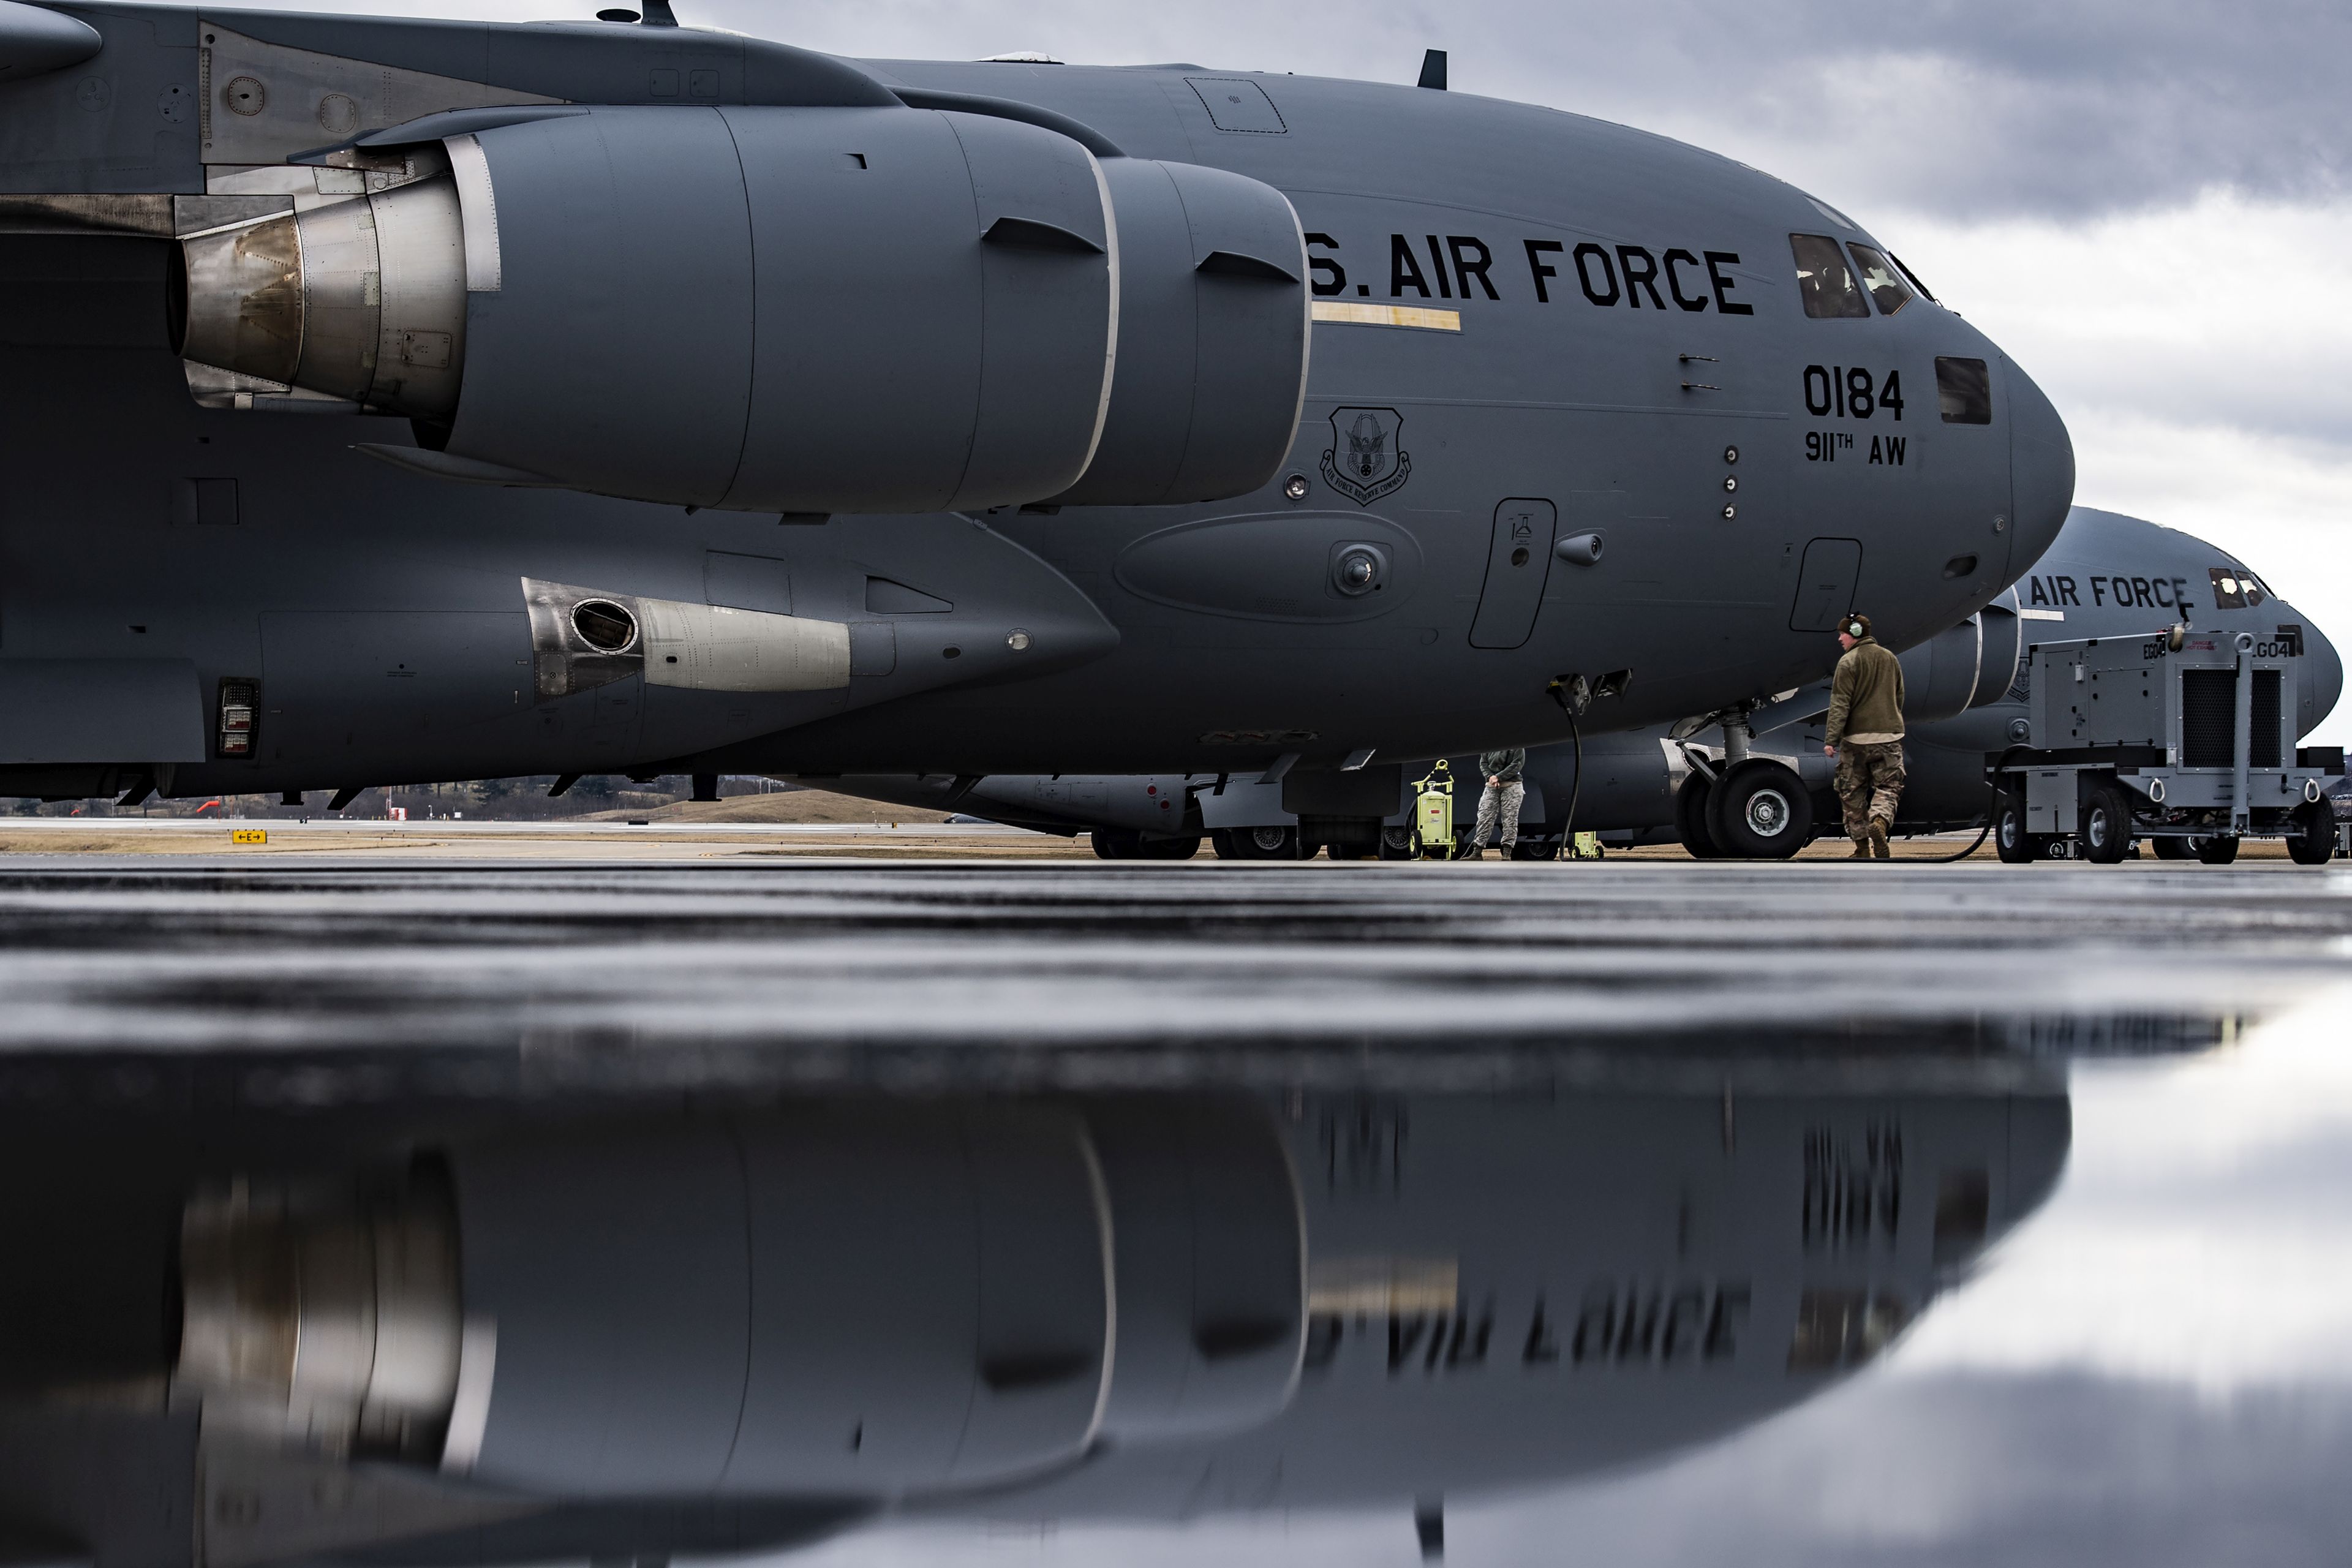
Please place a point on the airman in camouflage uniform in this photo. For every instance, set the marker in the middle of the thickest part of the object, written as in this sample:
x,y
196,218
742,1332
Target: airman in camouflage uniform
x,y
1865,736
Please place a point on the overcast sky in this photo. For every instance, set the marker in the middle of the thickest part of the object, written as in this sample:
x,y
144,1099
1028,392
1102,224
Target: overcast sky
x,y
2147,203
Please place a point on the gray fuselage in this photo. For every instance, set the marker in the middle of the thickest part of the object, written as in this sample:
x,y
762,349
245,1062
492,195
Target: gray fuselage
x,y
2107,575
161,552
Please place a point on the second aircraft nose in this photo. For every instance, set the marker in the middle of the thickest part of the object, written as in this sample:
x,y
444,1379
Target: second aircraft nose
x,y
2323,679
2041,471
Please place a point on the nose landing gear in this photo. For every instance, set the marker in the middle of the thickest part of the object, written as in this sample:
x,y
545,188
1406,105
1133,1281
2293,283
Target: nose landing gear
x,y
1758,810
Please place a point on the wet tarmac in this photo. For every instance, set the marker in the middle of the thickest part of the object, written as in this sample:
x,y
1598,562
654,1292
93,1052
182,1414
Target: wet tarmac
x,y
1633,1214
1416,966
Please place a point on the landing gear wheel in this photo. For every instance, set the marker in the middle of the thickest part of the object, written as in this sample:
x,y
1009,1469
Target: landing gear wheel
x,y
1168,849
1348,851
1111,844
1534,849
2170,848
1262,844
1396,844
2010,840
2217,850
2105,832
1690,817
2313,842
1760,811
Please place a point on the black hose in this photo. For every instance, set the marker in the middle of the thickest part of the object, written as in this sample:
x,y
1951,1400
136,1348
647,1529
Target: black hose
x,y
1575,790
1992,815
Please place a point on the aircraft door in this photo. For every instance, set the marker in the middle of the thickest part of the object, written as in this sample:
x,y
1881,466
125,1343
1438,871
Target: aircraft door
x,y
1825,585
1518,557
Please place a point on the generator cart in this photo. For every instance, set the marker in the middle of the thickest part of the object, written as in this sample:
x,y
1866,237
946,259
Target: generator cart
x,y
2185,740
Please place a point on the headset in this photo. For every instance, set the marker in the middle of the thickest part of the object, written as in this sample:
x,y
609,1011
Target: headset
x,y
1855,629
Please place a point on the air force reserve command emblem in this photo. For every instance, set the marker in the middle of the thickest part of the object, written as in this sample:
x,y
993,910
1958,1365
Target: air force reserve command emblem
x,y
1365,461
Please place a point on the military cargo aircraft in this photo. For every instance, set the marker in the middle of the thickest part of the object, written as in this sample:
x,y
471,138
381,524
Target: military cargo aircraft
x,y
396,400
2107,575
403,1308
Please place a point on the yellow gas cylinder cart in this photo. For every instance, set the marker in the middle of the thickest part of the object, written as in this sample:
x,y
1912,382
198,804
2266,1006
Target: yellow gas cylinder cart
x,y
1433,814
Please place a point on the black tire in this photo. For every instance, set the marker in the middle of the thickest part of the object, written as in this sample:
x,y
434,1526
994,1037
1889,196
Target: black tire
x,y
1690,817
1267,844
1760,811
2218,851
1114,843
2170,848
1170,848
2107,827
2015,846
1528,848
1396,843
2313,842
1348,851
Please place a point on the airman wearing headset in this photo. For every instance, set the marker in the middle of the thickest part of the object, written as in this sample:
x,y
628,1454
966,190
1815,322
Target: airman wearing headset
x,y
1865,736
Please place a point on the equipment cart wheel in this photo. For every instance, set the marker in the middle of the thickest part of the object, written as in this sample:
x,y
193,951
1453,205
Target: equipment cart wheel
x,y
2170,848
2217,850
2313,842
2015,846
1760,811
2107,831
1690,817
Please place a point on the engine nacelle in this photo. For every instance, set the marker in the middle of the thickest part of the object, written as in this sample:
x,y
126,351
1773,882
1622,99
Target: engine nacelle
x,y
790,310
1962,666
878,1300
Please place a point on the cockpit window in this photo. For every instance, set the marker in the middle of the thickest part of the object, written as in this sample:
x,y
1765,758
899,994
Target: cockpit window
x,y
1824,281
1885,284
1963,390
2235,588
1905,267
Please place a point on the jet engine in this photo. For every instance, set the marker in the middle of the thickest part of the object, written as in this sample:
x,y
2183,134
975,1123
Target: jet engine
x,y
1963,667
870,1301
828,310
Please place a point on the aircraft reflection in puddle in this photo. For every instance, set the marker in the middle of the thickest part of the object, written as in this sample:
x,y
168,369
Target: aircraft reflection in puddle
x,y
406,1329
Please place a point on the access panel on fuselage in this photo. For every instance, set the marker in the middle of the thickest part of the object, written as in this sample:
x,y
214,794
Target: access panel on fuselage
x,y
1825,585
1518,560
363,690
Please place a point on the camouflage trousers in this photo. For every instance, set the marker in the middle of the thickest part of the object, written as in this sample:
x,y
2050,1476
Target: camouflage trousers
x,y
1500,803
1869,782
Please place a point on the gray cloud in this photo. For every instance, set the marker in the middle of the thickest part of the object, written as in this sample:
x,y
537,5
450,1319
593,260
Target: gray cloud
x,y
1944,1472
1960,1470
2011,107
1967,110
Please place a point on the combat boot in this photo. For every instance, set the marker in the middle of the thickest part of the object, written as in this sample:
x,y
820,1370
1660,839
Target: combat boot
x,y
1861,849
1878,846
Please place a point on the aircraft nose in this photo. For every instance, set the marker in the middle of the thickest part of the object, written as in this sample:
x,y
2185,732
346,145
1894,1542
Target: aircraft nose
x,y
2322,678
2041,471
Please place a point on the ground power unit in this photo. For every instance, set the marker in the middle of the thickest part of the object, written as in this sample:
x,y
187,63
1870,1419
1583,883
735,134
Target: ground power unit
x,y
2183,739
